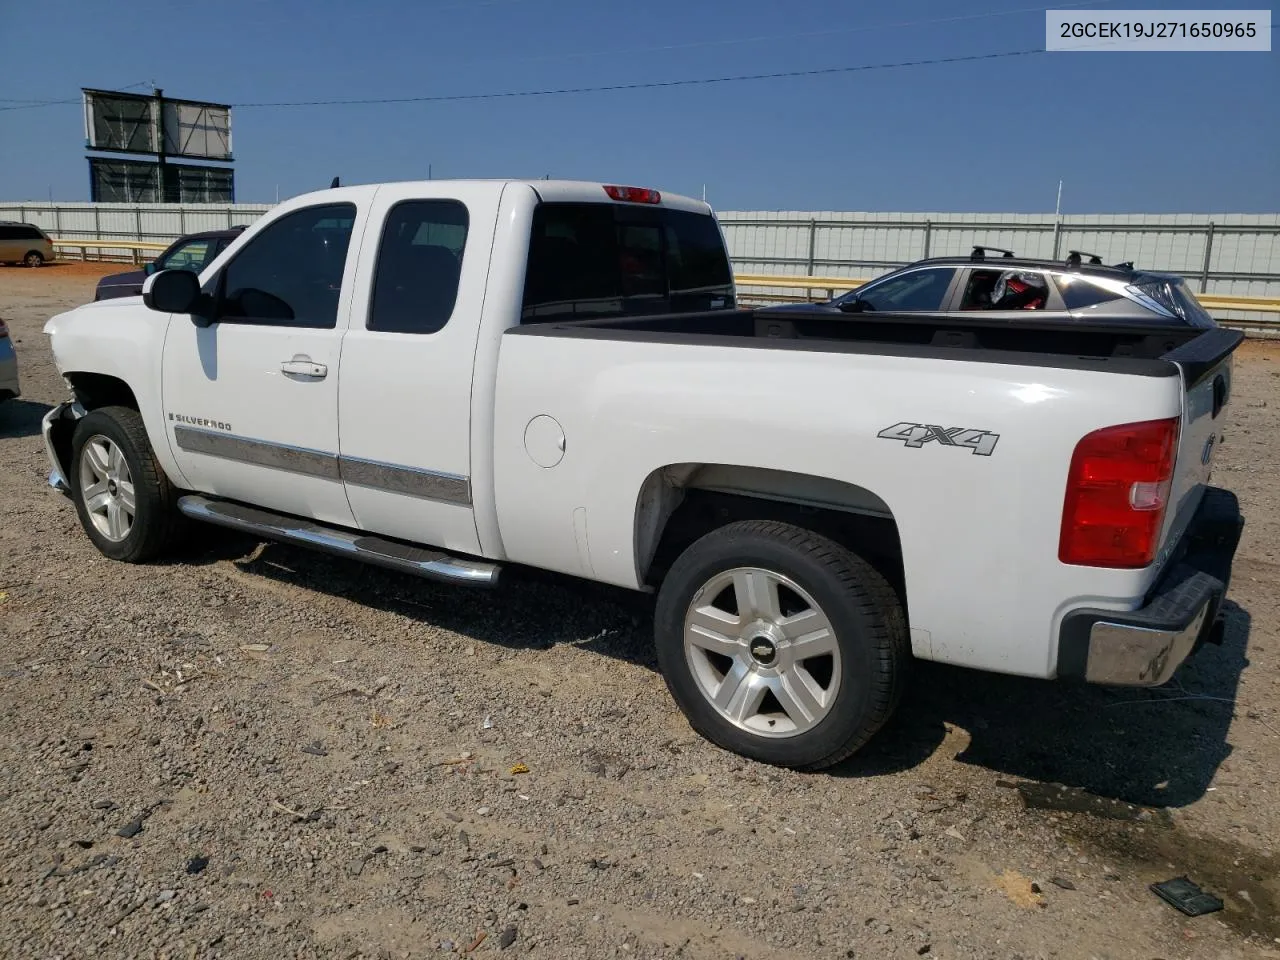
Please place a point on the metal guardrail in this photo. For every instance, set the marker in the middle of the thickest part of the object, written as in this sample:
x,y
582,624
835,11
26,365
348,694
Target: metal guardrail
x,y
135,247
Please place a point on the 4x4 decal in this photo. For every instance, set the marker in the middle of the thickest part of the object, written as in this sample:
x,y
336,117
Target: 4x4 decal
x,y
981,442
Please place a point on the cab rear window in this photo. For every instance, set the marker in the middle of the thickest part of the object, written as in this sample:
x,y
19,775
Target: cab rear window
x,y
591,260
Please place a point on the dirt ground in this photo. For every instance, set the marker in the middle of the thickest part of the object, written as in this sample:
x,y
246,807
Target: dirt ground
x,y
256,752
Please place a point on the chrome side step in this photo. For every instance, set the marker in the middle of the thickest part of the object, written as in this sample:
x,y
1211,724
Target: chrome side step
x,y
419,561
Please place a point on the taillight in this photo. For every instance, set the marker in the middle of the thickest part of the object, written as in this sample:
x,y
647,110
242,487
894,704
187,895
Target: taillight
x,y
1117,492
633,194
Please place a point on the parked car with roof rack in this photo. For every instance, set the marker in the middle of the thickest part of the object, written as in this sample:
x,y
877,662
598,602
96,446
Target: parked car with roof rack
x,y
192,252
1078,288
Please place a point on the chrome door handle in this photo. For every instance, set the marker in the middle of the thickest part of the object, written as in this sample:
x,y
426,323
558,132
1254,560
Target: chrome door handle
x,y
304,367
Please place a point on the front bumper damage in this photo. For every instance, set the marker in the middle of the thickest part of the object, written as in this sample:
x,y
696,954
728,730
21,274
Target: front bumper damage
x,y
1183,610
56,429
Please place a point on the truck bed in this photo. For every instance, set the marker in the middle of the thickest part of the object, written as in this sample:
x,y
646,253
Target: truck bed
x,y
1134,349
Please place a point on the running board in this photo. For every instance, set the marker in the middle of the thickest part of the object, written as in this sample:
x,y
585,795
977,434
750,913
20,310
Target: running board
x,y
419,561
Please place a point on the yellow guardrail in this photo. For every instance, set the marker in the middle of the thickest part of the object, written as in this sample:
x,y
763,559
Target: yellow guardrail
x,y
829,287
135,247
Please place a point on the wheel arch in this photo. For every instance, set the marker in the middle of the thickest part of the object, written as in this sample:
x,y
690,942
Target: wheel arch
x,y
678,503
94,390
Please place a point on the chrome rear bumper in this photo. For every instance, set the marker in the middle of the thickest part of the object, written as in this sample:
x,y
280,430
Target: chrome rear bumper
x,y
1144,647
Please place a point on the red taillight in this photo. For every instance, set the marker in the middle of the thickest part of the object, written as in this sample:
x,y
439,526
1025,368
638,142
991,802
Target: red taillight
x,y
1117,492
633,194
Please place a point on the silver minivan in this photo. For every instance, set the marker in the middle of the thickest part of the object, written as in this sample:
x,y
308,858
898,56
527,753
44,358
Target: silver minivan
x,y
24,243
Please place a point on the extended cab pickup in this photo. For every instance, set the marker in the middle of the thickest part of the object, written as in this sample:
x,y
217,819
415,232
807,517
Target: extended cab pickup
x,y
448,377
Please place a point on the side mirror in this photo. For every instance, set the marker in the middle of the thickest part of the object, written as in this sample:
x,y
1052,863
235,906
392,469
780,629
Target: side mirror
x,y
174,291
149,267
852,306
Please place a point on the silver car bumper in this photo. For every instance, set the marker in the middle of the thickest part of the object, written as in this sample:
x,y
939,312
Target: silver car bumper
x,y
8,370
56,425
1143,647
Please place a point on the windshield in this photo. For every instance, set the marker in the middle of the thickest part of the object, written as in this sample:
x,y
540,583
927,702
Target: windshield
x,y
192,255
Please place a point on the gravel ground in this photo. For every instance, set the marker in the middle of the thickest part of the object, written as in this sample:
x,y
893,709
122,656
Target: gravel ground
x,y
256,752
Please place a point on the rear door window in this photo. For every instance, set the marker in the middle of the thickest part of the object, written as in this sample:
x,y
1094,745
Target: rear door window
x,y
589,260
987,289
419,265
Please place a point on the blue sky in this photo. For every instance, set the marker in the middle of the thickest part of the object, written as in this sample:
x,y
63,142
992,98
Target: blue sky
x,y
1127,132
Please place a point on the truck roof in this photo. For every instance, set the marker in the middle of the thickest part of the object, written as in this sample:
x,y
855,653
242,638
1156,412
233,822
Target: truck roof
x,y
561,191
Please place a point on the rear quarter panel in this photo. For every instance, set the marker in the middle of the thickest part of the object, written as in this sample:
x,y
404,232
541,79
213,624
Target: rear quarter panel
x,y
979,533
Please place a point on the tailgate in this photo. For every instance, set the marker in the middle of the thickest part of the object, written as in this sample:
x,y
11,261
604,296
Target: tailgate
x,y
1205,364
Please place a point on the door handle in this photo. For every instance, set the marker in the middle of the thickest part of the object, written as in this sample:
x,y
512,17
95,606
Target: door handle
x,y
305,367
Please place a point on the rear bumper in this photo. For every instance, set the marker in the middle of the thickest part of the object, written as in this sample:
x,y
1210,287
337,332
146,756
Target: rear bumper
x,y
55,429
1144,647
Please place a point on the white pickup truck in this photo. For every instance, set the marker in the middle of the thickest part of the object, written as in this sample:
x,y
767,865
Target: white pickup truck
x,y
447,377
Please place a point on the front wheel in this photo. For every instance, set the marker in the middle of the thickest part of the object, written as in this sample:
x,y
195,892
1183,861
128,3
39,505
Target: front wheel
x,y
126,503
781,645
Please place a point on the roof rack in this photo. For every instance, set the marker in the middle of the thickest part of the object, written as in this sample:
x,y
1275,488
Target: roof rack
x,y
1075,257
980,253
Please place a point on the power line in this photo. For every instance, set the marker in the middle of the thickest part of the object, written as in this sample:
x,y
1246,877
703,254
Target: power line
x,y
769,38
32,104
644,85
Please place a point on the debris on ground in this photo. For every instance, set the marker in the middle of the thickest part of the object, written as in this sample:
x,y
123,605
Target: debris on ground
x,y
1020,890
1186,896
1056,796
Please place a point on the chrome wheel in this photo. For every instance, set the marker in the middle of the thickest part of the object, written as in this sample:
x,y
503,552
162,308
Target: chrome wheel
x,y
106,486
762,652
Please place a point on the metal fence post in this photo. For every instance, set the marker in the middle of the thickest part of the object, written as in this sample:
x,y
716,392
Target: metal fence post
x,y
137,217
57,220
928,236
230,224
1208,252
22,214
182,221
97,231
813,237
1057,238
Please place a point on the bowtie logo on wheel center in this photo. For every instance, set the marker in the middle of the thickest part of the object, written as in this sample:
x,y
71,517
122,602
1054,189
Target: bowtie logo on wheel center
x,y
764,651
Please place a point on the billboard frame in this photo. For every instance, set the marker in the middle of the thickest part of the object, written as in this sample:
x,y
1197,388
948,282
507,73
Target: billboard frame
x,y
157,99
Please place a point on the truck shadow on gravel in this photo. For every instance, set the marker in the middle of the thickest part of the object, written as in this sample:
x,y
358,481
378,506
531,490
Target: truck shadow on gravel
x,y
21,418
1155,747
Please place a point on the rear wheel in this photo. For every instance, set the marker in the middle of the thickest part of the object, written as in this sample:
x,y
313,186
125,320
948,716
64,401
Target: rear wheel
x,y
126,503
34,259
781,645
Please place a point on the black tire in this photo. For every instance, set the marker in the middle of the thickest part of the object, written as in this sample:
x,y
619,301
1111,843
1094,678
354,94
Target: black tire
x,y
34,259
861,606
157,524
